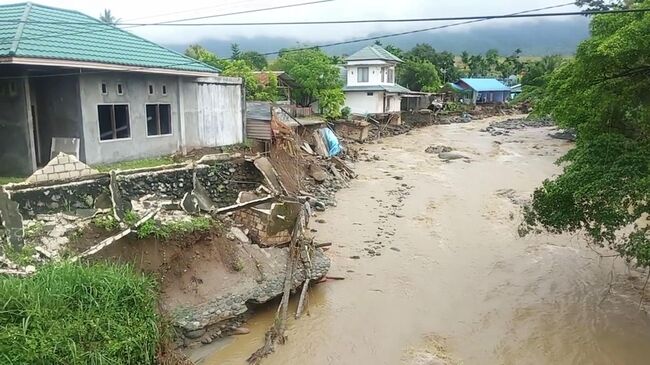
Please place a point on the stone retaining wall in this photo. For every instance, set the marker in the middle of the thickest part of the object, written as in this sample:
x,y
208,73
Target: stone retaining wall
x,y
223,180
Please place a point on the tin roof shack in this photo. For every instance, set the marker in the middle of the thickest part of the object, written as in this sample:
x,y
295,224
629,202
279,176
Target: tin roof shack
x,y
68,75
483,91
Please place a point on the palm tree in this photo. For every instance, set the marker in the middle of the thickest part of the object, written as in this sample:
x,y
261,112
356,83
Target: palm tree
x,y
108,18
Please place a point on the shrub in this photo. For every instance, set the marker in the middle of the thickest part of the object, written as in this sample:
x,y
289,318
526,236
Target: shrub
x,y
79,314
165,231
345,112
106,222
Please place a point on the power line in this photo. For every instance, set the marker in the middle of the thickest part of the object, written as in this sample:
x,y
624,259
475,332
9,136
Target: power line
x,y
362,21
277,7
108,27
213,7
390,35
315,46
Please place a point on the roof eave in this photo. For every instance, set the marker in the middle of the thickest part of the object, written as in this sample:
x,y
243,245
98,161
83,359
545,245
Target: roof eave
x,y
103,66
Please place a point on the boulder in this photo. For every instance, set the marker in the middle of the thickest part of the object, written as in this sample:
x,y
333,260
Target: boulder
x,y
438,149
317,173
447,156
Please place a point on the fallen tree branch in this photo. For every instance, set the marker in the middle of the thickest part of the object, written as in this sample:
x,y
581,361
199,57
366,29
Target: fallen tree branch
x,y
276,332
305,286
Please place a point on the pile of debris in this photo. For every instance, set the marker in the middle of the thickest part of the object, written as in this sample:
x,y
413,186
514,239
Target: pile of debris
x,y
438,149
504,127
566,134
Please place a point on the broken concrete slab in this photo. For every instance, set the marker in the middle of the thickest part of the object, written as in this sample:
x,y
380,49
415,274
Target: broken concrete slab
x,y
120,205
202,196
11,218
270,175
240,235
190,204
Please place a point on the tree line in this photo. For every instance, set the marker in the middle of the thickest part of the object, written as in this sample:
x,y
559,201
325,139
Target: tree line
x,y
603,94
318,75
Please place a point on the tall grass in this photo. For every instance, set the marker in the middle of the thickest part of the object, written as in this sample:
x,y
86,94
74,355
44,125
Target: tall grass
x,y
79,314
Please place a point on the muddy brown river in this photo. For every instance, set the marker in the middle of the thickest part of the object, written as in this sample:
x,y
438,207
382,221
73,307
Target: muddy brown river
x,y
453,282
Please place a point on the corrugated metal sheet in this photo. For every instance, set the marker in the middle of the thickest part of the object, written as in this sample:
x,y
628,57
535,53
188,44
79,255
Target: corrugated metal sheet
x,y
486,84
258,129
220,114
260,110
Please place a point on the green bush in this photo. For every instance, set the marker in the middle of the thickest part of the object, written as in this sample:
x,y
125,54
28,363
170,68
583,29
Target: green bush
x,y
106,222
78,314
165,231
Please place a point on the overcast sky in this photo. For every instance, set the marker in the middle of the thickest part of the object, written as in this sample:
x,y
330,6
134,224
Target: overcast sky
x,y
152,11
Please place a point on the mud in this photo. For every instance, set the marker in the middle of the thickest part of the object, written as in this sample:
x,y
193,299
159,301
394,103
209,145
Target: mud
x,y
453,281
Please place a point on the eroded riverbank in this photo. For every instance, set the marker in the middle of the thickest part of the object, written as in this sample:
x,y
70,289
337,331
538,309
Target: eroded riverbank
x,y
452,268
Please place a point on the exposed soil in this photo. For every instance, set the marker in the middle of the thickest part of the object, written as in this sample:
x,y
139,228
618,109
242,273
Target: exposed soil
x,y
184,267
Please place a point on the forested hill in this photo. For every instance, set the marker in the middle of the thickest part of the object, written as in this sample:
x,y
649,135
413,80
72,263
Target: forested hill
x,y
536,38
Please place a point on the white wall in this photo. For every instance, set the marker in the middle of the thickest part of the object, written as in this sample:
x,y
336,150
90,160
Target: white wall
x,y
395,103
374,73
362,103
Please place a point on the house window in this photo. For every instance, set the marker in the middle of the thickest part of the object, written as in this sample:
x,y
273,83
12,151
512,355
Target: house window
x,y
104,89
113,121
164,89
362,75
391,76
150,89
120,89
159,119
383,74
370,94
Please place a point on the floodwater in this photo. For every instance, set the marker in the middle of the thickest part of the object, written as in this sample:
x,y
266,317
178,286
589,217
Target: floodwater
x,y
454,280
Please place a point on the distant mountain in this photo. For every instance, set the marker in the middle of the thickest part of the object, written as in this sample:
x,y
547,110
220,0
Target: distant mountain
x,y
534,38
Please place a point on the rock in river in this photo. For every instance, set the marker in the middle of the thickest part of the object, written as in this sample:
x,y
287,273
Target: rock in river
x,y
447,156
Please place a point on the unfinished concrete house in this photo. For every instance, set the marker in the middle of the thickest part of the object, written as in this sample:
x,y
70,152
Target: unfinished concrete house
x,y
67,79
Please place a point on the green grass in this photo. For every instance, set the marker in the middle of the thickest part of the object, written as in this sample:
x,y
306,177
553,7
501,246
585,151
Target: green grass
x,y
136,164
107,222
23,256
79,314
11,179
165,231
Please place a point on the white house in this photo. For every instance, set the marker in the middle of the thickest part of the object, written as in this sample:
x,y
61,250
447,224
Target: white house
x,y
370,86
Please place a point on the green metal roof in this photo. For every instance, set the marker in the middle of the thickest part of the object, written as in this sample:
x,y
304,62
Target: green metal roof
x,y
30,30
373,52
398,89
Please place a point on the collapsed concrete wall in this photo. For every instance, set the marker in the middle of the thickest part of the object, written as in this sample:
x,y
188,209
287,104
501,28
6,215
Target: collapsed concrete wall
x,y
223,181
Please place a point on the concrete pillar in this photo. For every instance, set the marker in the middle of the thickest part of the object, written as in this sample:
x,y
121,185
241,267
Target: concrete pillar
x,y
31,149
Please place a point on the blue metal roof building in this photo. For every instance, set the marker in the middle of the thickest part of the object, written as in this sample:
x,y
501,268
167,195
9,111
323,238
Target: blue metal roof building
x,y
484,91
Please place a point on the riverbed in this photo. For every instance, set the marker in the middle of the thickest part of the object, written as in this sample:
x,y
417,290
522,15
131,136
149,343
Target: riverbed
x,y
435,271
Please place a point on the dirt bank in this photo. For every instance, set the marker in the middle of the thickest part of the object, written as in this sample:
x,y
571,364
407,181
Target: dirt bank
x,y
430,250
